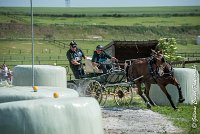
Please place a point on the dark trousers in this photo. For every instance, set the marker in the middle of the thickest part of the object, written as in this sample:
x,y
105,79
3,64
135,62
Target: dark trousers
x,y
104,67
78,73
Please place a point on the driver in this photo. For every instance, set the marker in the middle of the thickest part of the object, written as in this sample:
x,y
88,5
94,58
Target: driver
x,y
99,58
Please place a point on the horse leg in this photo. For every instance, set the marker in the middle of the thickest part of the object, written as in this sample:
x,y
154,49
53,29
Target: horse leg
x,y
181,98
147,89
168,96
138,84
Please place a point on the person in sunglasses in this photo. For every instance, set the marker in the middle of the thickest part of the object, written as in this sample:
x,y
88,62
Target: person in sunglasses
x,y
74,56
99,59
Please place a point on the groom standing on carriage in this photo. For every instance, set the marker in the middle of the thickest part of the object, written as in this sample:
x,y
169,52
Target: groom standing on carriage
x,y
74,56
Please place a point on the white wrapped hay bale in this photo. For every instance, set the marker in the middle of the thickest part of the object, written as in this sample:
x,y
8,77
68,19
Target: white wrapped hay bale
x,y
198,40
189,82
44,75
17,93
51,116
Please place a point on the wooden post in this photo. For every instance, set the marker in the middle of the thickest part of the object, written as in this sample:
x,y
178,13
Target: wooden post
x,y
183,64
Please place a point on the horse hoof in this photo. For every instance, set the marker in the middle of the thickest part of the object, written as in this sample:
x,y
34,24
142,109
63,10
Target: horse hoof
x,y
181,100
175,108
148,105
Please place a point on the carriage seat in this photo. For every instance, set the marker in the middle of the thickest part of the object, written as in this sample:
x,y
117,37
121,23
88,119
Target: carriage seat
x,y
89,68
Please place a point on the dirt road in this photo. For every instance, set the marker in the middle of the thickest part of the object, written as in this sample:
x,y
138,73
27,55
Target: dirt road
x,y
136,121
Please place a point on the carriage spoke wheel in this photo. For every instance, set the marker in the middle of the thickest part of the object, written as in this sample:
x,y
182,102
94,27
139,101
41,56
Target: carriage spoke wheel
x,y
94,89
123,95
104,96
71,85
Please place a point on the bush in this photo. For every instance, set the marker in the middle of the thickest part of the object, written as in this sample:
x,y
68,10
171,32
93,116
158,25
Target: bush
x,y
168,46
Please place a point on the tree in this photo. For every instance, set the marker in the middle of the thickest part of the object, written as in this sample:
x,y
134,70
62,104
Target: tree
x,y
168,46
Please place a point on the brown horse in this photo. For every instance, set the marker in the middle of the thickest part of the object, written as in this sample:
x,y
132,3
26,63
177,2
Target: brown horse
x,y
153,70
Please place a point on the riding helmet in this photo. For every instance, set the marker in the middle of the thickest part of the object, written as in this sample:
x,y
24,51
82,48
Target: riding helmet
x,y
73,44
99,47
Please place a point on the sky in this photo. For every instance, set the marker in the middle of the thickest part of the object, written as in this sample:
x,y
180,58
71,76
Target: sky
x,y
99,3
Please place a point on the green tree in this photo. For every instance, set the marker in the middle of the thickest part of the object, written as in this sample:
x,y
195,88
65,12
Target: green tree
x,y
168,47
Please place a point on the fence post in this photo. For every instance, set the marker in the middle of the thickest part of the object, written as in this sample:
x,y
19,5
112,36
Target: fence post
x,y
183,64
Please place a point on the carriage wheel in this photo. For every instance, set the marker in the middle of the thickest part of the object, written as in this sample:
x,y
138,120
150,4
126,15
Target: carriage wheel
x,y
123,95
93,89
71,85
104,96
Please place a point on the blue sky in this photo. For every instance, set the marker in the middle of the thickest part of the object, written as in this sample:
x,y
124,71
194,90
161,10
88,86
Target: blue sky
x,y
100,3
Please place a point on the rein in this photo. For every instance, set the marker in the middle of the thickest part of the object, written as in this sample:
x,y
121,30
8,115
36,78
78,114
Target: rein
x,y
152,71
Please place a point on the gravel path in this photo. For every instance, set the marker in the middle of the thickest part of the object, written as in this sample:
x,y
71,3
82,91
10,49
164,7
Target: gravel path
x,y
135,121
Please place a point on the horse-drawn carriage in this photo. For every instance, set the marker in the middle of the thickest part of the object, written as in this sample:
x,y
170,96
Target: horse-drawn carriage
x,y
141,70
100,86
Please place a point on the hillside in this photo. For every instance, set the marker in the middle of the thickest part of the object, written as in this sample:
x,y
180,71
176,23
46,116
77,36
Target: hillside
x,y
102,23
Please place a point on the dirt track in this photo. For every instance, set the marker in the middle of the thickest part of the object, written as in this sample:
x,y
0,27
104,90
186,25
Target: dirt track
x,y
136,121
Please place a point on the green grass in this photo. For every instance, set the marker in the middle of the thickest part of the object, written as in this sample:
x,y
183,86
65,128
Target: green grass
x,y
43,48
188,48
122,21
182,117
104,10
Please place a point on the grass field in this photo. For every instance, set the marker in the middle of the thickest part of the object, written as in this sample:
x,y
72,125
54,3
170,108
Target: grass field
x,y
181,23
107,23
108,10
43,48
177,19
113,21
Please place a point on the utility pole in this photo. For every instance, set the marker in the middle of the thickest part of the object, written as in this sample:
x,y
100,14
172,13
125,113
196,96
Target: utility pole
x,y
67,3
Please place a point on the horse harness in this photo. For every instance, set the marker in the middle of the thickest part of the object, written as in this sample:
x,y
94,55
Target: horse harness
x,y
154,72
